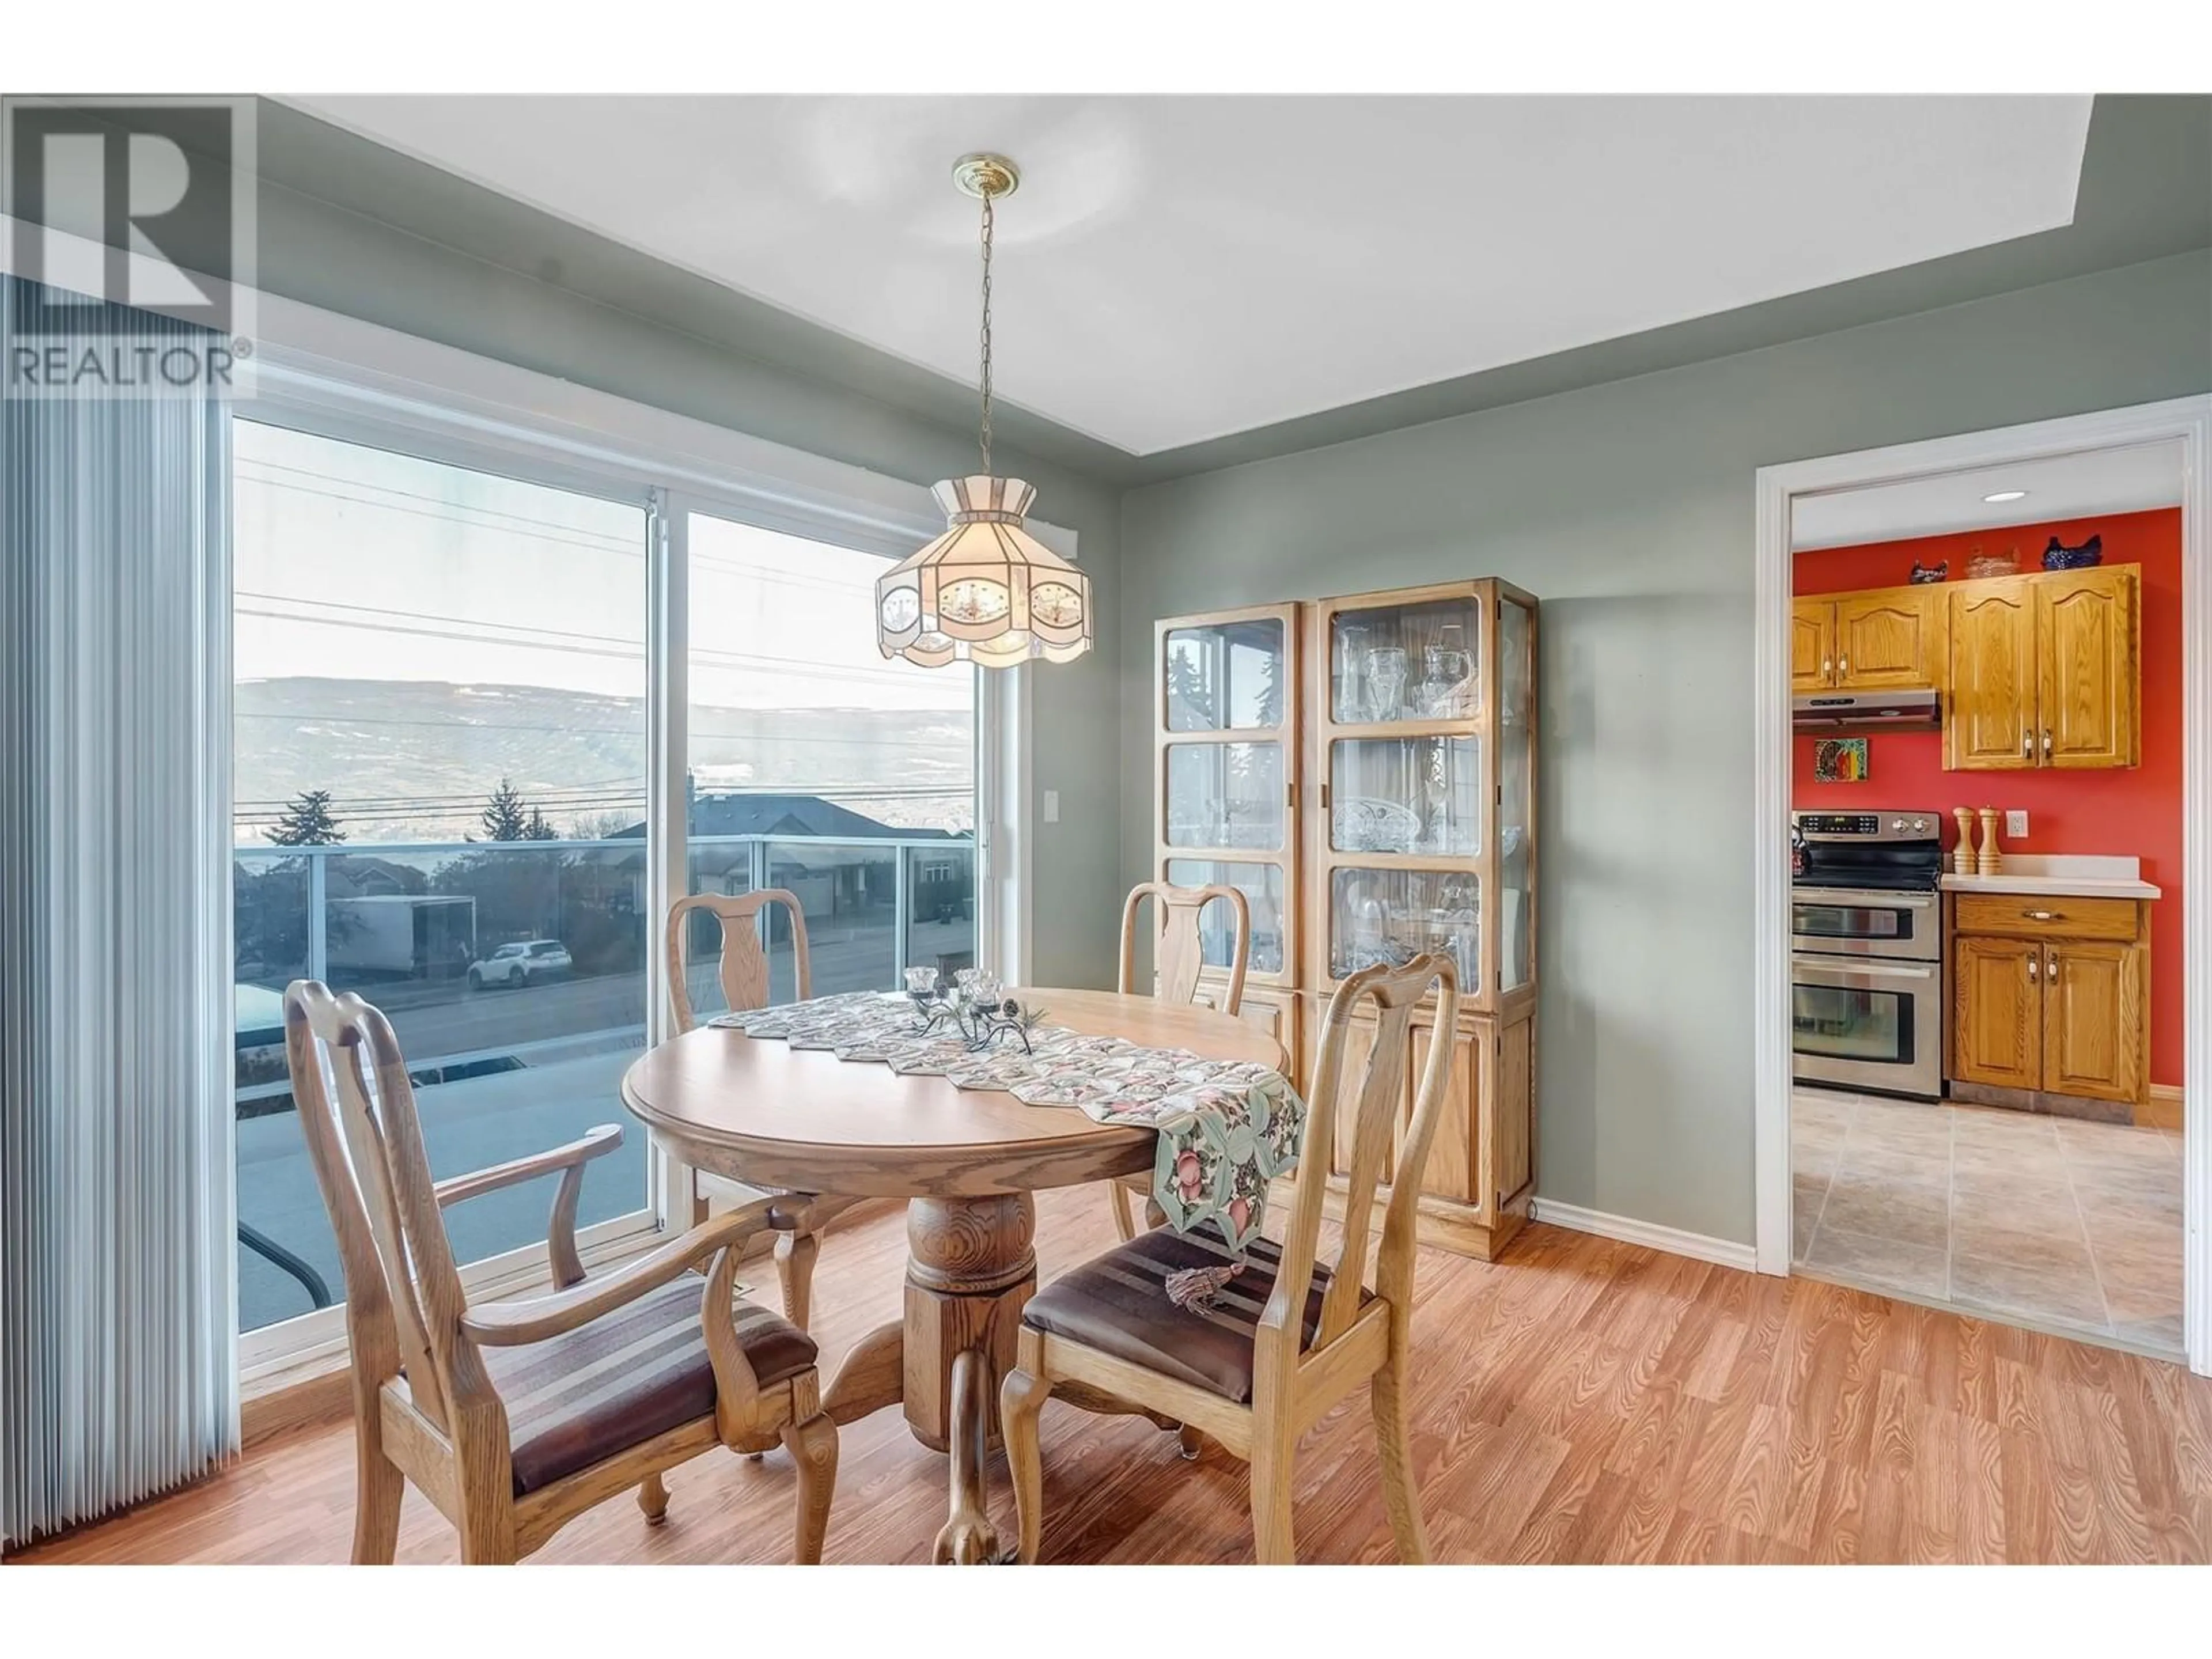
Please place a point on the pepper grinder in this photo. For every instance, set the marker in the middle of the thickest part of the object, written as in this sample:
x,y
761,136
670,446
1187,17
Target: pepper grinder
x,y
1962,855
1990,860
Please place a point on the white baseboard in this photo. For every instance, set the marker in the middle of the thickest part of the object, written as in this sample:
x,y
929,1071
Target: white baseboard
x,y
1698,1247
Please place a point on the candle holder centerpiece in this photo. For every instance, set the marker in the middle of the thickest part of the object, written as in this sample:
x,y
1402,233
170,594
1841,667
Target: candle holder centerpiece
x,y
974,1005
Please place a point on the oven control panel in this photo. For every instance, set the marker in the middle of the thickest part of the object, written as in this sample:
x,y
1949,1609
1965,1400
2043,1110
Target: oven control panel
x,y
1867,826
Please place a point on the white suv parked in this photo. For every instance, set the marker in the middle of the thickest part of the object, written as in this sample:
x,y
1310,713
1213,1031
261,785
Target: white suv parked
x,y
519,963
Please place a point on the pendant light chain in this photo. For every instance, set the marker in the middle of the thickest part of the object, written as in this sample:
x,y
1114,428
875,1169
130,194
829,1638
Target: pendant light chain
x,y
987,331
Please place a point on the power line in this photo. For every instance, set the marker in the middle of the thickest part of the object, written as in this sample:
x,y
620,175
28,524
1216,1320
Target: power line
x,y
458,726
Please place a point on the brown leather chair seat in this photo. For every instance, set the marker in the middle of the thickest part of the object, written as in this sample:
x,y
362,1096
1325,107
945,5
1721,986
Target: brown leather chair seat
x,y
1118,1303
639,1371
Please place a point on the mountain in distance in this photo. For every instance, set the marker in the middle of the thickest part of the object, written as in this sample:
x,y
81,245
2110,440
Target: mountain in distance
x,y
415,760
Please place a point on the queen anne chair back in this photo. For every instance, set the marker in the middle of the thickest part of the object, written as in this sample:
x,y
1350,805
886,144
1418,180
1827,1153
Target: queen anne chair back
x,y
1373,1100
744,966
357,1112
1115,1334
1178,942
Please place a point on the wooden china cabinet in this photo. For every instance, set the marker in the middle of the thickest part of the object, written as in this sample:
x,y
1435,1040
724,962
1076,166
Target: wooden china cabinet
x,y
1364,771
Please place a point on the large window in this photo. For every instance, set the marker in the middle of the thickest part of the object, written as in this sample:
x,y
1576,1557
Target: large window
x,y
816,766
440,785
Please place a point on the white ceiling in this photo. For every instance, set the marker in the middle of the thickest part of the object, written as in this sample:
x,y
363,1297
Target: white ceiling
x,y
1179,269
2064,487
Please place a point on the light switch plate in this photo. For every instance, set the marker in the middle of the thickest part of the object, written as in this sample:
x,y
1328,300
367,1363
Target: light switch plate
x,y
2016,824
1052,806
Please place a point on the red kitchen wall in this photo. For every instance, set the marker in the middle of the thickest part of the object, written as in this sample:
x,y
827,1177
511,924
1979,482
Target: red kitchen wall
x,y
2135,813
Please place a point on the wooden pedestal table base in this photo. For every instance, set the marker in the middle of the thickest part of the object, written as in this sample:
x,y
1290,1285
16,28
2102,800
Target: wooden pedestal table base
x,y
970,1268
966,1161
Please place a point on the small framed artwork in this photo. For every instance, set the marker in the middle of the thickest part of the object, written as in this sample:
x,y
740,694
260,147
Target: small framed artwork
x,y
1839,760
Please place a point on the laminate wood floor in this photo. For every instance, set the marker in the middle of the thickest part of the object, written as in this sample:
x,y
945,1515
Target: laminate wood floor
x,y
1580,1400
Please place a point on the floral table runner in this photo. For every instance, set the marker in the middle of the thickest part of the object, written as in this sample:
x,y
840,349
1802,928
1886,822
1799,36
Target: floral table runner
x,y
1226,1127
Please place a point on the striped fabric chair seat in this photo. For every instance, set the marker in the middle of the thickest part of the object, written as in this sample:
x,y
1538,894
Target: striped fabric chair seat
x,y
1118,1305
619,1381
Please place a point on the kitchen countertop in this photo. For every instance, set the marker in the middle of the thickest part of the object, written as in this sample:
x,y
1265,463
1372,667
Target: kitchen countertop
x,y
2081,874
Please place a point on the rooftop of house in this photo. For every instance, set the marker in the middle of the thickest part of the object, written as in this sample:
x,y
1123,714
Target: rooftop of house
x,y
751,814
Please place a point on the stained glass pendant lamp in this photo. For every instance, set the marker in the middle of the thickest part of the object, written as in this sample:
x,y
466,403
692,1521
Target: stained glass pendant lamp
x,y
985,592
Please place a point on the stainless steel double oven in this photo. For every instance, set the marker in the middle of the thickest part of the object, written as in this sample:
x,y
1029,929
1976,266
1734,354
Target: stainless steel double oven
x,y
1867,951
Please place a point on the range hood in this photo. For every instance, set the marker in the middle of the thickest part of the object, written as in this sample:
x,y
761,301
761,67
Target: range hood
x,y
1866,711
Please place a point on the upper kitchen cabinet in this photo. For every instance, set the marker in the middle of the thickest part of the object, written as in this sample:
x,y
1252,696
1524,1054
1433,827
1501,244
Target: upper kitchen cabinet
x,y
2088,668
1883,639
1890,639
1812,646
2046,671
1989,725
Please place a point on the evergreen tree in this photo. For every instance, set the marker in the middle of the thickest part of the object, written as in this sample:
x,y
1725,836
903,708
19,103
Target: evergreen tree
x,y
307,822
504,817
540,827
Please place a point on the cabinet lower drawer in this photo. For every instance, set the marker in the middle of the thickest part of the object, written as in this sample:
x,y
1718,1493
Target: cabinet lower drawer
x,y
2028,915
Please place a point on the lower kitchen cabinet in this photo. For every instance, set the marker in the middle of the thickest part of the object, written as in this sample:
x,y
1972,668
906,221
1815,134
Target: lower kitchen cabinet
x,y
2050,1003
1997,1020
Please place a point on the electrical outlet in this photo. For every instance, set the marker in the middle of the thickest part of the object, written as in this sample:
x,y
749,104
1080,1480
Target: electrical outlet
x,y
1052,806
2016,824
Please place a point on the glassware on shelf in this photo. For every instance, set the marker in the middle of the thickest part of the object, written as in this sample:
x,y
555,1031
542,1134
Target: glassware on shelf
x,y
1370,931
1348,671
1406,795
1362,824
921,981
1386,682
1447,671
1390,916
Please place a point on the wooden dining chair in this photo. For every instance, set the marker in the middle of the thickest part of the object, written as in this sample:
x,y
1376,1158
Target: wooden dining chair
x,y
1291,1335
1178,956
513,1418
744,972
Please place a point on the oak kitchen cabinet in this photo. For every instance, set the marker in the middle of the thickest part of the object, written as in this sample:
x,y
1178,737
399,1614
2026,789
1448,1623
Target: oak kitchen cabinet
x,y
1880,639
2046,671
1364,770
2051,1002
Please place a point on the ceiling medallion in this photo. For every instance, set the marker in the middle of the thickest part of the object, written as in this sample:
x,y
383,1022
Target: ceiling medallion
x,y
985,592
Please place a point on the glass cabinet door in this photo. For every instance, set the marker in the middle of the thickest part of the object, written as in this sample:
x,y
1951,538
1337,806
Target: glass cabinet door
x,y
1517,788
1419,795
1226,676
1390,916
1226,794
1262,887
1226,722
1406,662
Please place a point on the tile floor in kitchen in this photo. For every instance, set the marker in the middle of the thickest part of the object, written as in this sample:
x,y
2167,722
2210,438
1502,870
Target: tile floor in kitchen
x,y
2071,1226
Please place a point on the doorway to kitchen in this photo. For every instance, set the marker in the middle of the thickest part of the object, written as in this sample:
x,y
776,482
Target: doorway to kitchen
x,y
1974,1072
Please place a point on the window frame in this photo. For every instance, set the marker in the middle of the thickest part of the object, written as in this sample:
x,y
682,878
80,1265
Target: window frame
x,y
340,378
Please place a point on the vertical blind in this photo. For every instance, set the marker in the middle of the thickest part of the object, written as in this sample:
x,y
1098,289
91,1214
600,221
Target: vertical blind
x,y
117,1372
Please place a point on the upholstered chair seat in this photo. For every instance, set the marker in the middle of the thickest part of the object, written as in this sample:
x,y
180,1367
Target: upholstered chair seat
x,y
576,1399
1117,1304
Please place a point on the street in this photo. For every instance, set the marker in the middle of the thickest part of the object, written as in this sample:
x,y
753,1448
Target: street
x,y
436,1019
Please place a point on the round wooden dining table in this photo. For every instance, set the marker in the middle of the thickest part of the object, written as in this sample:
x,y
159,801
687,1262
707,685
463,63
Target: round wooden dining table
x,y
969,1162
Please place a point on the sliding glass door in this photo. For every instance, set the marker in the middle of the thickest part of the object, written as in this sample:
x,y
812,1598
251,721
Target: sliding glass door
x,y
440,803
814,765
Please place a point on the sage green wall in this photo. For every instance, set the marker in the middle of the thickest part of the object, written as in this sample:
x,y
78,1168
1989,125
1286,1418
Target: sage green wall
x,y
360,265
1627,509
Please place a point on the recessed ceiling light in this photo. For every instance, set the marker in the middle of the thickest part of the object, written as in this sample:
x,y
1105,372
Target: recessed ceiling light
x,y
2006,495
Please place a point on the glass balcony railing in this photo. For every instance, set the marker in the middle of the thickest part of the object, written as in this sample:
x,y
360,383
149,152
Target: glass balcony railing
x,y
514,974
